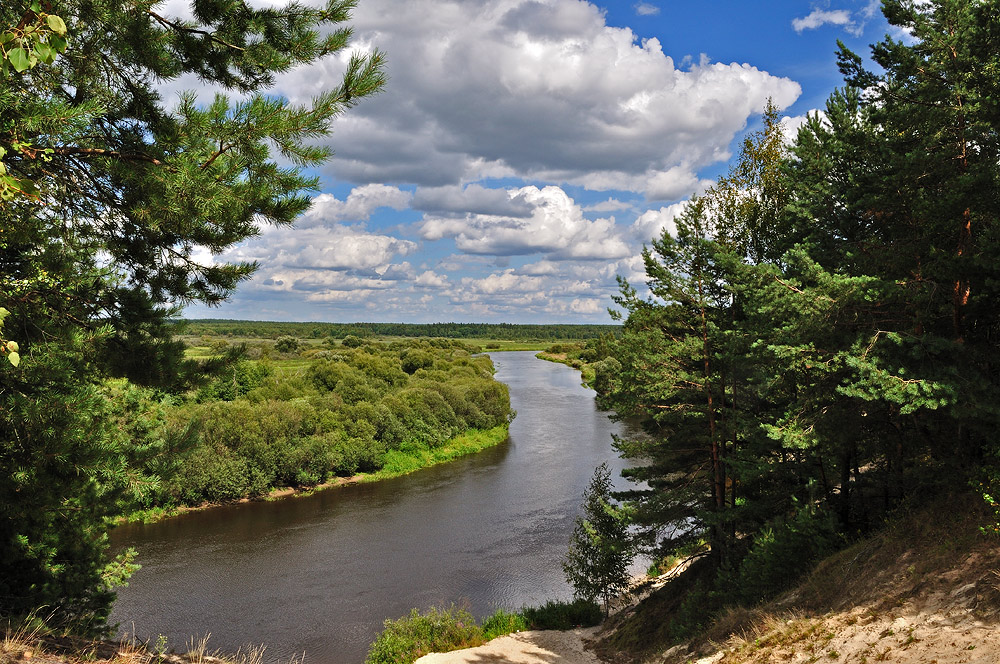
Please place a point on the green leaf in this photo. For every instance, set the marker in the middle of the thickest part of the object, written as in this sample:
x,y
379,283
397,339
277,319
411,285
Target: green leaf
x,y
36,6
19,59
57,24
58,43
44,53
14,358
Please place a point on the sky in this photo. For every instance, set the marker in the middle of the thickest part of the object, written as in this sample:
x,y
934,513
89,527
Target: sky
x,y
524,151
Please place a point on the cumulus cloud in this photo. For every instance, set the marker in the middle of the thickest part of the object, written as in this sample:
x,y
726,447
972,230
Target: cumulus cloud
x,y
532,89
339,248
359,205
473,198
651,223
790,125
430,279
555,226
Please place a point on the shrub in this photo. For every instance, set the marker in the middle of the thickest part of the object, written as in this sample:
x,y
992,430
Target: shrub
x,y
235,381
502,623
286,344
782,554
563,615
438,630
351,341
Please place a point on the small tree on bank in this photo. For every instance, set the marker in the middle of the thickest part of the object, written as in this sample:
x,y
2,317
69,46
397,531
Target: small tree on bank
x,y
599,551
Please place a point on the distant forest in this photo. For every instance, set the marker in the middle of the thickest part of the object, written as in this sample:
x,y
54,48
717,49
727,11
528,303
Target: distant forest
x,y
499,331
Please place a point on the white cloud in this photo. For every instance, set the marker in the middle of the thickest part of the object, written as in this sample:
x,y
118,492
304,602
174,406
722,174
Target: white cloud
x,y
430,279
585,306
610,205
651,223
677,182
359,205
473,198
820,17
556,226
337,248
543,90
790,125
645,9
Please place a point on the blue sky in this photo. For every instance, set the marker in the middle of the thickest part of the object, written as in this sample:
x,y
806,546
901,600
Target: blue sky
x,y
525,150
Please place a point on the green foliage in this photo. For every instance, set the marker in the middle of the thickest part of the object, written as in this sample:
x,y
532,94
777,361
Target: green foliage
x,y
235,381
500,623
781,554
407,639
56,499
351,341
600,549
286,344
109,198
819,339
438,331
8,347
252,428
563,615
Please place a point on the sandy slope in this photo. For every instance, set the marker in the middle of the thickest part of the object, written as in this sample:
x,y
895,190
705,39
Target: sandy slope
x,y
926,591
548,647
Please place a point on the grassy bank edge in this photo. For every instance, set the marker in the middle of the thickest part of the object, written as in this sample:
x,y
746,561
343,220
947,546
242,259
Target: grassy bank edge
x,y
407,459
586,371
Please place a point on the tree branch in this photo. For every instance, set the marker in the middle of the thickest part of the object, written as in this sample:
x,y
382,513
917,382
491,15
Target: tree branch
x,y
182,28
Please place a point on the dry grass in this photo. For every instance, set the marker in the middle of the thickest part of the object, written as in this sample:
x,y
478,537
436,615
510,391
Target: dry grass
x,y
924,589
30,642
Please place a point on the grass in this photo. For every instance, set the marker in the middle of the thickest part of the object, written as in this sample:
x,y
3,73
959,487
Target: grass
x,y
587,374
31,640
409,638
437,630
563,615
410,458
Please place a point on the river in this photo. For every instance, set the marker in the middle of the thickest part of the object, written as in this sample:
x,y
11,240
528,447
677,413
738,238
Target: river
x,y
317,575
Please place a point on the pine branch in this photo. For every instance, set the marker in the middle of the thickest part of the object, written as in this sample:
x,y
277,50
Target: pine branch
x,y
183,28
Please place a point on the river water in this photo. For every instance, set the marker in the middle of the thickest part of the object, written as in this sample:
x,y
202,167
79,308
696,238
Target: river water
x,y
317,575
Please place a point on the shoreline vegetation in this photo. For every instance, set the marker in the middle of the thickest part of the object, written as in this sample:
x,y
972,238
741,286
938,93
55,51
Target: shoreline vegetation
x,y
397,463
276,415
280,417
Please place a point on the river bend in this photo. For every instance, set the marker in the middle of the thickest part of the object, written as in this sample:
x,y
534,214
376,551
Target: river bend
x,y
318,574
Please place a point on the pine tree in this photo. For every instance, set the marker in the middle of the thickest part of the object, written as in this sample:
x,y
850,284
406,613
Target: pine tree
x,y
600,550
110,195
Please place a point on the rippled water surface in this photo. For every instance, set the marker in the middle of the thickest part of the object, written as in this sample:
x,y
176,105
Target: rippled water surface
x,y
319,574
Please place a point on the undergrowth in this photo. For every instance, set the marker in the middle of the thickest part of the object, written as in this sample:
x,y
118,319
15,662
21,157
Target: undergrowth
x,y
409,638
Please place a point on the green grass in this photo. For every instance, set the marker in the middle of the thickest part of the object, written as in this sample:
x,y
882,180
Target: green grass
x,y
563,615
409,638
411,458
587,374
438,630
502,623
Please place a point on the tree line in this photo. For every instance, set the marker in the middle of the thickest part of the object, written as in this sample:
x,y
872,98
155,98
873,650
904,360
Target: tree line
x,y
497,331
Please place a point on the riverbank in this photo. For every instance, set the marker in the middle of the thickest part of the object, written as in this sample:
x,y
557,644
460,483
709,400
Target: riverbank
x,y
407,459
587,373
